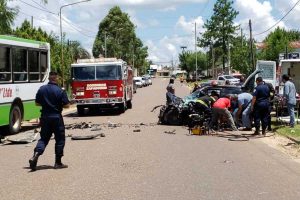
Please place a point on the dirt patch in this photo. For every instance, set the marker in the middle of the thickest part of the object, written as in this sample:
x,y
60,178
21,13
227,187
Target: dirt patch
x,y
285,145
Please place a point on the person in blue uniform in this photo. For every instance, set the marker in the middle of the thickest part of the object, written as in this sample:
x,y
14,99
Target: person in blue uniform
x,y
260,106
52,99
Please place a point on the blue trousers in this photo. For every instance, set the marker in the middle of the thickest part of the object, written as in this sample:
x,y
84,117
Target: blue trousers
x,y
261,114
50,125
246,117
291,110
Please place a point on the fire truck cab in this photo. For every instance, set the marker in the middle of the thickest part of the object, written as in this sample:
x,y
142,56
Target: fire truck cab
x,y
105,83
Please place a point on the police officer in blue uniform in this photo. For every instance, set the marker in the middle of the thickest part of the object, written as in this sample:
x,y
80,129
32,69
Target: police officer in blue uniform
x,y
260,105
52,99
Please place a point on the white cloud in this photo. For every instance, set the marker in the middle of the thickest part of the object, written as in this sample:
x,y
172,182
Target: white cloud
x,y
260,14
189,26
292,20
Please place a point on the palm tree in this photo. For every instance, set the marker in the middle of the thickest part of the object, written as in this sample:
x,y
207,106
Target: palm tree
x,y
77,51
7,16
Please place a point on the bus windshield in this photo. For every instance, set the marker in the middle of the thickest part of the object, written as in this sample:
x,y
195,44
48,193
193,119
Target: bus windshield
x,y
100,72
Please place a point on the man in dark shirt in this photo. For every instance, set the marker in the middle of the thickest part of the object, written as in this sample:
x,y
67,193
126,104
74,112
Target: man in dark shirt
x,y
260,105
52,99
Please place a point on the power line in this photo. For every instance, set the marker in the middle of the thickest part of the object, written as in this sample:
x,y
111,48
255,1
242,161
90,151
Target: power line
x,y
39,19
280,19
38,7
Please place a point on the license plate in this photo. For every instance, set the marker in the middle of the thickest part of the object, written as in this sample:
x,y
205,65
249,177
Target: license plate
x,y
96,95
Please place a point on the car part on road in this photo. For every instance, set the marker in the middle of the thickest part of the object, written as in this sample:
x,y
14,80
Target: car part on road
x,y
171,132
22,138
86,137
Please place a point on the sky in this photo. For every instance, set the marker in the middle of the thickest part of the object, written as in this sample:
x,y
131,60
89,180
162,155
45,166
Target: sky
x,y
164,26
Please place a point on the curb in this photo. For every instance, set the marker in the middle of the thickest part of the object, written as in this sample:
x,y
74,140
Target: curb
x,y
293,139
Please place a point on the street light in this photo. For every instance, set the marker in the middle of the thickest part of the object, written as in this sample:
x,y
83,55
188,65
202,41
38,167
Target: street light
x,y
61,38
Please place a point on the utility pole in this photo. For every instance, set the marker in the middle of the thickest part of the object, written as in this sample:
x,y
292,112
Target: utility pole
x,y
242,36
31,21
105,46
196,51
213,60
251,46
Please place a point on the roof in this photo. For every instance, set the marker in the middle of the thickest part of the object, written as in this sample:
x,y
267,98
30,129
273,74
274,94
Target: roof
x,y
295,44
16,41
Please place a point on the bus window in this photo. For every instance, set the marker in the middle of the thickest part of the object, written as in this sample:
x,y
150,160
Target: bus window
x,y
5,71
43,64
33,65
19,64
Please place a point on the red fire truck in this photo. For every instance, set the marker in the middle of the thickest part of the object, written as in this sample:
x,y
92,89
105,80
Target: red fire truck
x,y
106,83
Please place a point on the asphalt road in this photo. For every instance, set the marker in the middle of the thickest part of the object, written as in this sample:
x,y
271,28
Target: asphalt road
x,y
149,164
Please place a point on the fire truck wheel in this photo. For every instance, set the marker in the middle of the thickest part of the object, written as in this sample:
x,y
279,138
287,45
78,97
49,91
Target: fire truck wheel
x,y
80,110
122,107
129,104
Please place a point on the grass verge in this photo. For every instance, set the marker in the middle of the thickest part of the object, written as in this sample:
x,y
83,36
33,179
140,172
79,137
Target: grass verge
x,y
286,131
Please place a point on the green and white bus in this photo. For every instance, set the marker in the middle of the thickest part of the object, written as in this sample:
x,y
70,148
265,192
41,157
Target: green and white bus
x,y
24,68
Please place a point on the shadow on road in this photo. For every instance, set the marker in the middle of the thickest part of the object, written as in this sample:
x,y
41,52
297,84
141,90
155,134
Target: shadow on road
x,y
40,167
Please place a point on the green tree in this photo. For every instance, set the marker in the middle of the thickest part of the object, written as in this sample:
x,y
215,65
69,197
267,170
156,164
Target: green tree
x,y
240,55
220,29
7,16
188,61
277,42
117,34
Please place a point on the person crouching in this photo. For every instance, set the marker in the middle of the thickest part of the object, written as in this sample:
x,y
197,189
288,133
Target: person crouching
x,y
221,111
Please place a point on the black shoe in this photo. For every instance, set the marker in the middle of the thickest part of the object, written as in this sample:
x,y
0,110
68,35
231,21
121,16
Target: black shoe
x,y
264,132
256,132
33,161
60,166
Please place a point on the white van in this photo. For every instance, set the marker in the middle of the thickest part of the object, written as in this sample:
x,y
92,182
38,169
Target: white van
x,y
268,72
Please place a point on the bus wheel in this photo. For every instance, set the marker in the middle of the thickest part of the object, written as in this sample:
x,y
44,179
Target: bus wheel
x,y
129,104
80,110
15,119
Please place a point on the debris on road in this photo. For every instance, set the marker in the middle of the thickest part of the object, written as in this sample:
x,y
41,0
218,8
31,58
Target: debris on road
x,y
137,130
86,136
82,125
227,161
170,132
102,135
22,138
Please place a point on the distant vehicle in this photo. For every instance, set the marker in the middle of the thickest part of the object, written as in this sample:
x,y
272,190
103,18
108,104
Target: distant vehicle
x,y
106,83
146,79
231,79
134,87
139,81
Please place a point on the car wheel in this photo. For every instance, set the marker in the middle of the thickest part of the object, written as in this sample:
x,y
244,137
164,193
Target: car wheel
x,y
15,120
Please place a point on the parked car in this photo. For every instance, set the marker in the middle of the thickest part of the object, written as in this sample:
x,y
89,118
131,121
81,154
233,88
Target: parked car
x,y
231,79
134,87
146,79
139,81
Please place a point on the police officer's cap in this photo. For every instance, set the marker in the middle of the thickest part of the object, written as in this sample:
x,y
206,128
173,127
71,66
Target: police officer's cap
x,y
53,73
